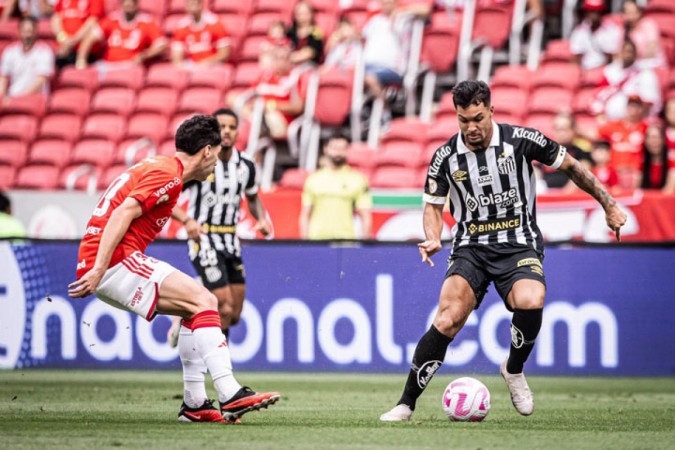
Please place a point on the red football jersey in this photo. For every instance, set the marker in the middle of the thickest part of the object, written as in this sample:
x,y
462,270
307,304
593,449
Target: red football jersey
x,y
626,142
75,12
125,40
156,183
200,40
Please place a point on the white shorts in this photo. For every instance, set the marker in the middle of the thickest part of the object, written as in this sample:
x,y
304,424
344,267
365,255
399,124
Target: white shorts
x,y
133,284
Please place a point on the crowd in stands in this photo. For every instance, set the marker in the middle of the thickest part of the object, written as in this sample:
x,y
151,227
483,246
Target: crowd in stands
x,y
82,76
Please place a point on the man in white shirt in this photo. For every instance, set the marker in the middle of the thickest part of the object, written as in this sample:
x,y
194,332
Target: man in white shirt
x,y
26,65
594,41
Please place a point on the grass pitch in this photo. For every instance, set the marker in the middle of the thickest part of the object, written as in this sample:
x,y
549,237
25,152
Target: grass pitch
x,y
107,409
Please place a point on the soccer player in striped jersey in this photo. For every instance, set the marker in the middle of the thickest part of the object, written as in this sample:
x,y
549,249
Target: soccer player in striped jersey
x,y
486,172
112,265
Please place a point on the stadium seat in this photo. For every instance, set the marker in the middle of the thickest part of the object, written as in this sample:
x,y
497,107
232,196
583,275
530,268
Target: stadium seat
x,y
665,20
175,7
199,100
592,78
582,101
549,100
326,22
357,17
167,75
104,126
250,48
54,152
293,178
541,122
557,51
446,108
216,77
70,100
97,152
259,24
82,78
13,153
410,129
392,177
115,100
326,6
160,100
484,28
170,23
18,126
167,148
241,7
110,174
132,150
7,177
150,125
33,105
235,25
428,152
334,94
37,176
563,75
400,153
156,8
510,100
64,127
440,42
128,77
361,156
442,130
246,75
175,122
513,76
661,6
9,30
282,7
80,177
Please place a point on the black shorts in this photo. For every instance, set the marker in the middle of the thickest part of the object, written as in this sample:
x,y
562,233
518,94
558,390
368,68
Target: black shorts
x,y
502,264
218,269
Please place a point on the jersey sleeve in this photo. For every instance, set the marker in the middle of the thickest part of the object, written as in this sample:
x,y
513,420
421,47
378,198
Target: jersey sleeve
x,y
363,197
538,147
251,187
156,186
96,9
437,186
308,195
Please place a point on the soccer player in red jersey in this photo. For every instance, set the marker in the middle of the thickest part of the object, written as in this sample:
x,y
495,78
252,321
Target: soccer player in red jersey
x,y
200,37
112,265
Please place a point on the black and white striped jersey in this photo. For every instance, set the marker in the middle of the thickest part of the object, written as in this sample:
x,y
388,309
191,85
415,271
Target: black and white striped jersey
x,y
492,191
215,203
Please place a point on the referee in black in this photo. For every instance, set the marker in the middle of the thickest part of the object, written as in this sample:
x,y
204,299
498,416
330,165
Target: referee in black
x,y
486,172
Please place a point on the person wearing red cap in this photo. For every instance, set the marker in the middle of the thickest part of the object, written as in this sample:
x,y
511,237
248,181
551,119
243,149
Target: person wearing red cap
x,y
595,40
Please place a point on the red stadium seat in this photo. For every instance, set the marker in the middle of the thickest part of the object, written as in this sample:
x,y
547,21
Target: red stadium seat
x,y
167,148
558,51
326,22
361,156
541,122
157,8
80,177
167,75
665,20
260,23
510,100
407,129
7,177
549,100
33,105
97,152
160,100
104,126
199,100
38,176
333,101
279,6
132,150
13,153
442,130
70,100
177,119
326,6
400,153
170,23
245,75
440,43
82,78
128,77
109,175
9,30
61,126
446,108
150,125
392,177
176,7
115,100
513,76
293,178
357,17
250,48
216,77
583,100
428,152
18,126
592,77
241,7
563,75
484,28
54,152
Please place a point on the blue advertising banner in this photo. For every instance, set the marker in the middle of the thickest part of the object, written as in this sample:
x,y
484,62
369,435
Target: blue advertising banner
x,y
321,307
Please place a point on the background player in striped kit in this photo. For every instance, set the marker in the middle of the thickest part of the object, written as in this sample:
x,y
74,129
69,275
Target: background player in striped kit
x,y
486,172
211,221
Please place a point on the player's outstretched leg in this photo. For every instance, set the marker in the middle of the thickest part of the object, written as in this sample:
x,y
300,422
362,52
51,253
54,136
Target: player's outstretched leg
x,y
246,400
428,357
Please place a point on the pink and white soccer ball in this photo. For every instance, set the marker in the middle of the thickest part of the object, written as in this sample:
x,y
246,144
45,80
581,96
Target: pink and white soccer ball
x,y
466,400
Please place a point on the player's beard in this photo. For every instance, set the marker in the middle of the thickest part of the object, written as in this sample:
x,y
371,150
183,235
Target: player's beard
x,y
338,161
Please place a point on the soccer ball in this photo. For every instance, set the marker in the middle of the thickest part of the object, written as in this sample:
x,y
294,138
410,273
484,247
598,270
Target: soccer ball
x,y
466,400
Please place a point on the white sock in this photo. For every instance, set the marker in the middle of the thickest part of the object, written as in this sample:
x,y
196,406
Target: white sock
x,y
209,344
194,391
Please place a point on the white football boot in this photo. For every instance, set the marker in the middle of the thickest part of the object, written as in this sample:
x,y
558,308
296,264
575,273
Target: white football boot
x,y
521,395
400,413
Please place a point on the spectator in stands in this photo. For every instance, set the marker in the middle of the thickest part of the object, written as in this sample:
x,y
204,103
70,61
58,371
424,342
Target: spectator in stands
x,y
71,22
669,117
10,226
645,34
200,37
623,78
306,38
626,137
40,9
594,41
332,195
343,45
276,35
27,65
564,133
131,37
658,170
602,169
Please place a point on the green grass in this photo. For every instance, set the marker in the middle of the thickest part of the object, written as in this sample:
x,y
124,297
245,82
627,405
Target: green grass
x,y
106,409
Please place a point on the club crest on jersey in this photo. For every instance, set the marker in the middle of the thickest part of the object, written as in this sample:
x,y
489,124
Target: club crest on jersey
x,y
459,175
433,186
506,165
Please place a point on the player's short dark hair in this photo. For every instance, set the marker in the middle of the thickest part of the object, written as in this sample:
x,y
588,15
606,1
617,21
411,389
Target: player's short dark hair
x,y
471,92
338,136
226,112
196,133
5,203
